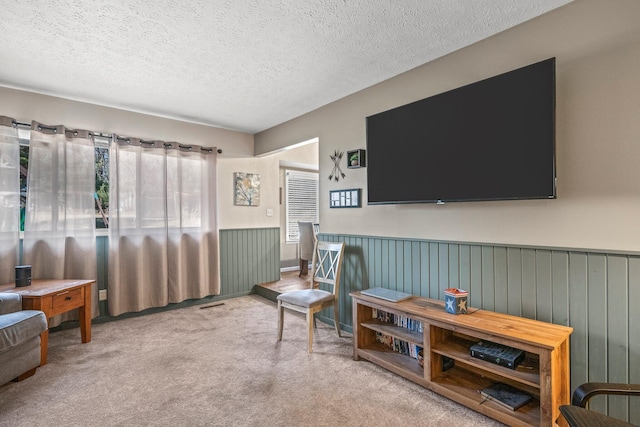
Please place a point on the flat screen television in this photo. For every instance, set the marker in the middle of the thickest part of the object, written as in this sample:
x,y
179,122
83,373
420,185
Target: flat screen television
x,y
489,140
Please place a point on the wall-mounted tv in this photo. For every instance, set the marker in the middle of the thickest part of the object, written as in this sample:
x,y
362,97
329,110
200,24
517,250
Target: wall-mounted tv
x,y
489,140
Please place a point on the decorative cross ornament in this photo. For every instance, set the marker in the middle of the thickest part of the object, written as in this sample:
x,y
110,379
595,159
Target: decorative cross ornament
x,y
336,157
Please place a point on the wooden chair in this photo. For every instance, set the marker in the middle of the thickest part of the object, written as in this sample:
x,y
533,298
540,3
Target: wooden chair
x,y
325,268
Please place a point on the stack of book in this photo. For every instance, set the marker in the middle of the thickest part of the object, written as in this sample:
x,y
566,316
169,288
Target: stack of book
x,y
506,396
396,344
398,320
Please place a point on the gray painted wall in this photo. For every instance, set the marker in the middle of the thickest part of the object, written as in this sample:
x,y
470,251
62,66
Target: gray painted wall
x,y
589,291
597,49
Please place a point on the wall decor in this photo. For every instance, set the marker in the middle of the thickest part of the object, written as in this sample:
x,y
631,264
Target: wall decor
x,y
356,158
345,198
336,157
247,189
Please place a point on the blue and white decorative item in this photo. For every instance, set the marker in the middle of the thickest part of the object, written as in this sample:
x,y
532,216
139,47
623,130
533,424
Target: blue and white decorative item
x,y
455,300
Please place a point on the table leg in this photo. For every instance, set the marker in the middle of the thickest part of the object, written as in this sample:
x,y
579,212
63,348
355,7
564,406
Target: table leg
x,y
44,347
85,316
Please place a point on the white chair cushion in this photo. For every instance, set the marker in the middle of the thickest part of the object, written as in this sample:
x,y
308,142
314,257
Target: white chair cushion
x,y
306,297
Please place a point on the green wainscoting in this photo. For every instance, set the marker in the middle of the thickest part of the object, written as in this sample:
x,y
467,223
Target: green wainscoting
x,y
248,257
596,293
102,252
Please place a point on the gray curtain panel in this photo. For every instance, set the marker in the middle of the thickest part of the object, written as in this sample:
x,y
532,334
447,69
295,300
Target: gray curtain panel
x,y
9,199
163,233
59,235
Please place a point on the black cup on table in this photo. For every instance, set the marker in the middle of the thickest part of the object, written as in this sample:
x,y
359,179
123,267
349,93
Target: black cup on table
x,y
23,275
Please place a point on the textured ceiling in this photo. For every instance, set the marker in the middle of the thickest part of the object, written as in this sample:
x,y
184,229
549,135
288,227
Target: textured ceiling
x,y
245,65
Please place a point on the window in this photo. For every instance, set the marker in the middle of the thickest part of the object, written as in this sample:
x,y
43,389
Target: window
x,y
102,182
23,135
102,178
301,200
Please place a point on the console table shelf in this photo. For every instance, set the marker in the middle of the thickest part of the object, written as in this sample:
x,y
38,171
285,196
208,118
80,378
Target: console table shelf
x,y
394,331
527,372
402,365
462,386
544,373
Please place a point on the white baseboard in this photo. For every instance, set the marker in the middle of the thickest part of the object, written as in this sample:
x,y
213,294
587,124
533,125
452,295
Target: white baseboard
x,y
292,268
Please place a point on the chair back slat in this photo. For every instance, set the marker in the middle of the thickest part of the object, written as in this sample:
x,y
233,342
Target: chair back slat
x,y
327,264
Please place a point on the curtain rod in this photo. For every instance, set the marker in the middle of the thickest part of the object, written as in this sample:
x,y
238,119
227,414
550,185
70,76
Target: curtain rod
x,y
107,136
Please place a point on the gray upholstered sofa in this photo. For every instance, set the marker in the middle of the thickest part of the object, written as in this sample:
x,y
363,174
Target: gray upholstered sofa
x,y
19,338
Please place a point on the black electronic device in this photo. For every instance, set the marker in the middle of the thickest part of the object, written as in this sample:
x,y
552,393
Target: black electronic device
x,y
447,363
497,353
23,276
490,140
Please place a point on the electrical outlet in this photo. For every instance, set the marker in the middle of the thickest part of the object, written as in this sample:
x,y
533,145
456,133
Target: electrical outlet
x,y
269,212
102,294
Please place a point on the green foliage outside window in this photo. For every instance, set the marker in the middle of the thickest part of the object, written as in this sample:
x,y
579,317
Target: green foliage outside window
x,y
102,184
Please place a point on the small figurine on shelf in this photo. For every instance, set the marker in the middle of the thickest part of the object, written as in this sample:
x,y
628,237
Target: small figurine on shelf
x,y
455,300
354,159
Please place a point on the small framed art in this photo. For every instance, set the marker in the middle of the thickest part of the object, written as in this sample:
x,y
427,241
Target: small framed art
x,y
356,159
246,189
345,198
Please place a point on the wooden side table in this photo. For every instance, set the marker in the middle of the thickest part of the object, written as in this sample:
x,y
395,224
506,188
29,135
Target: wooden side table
x,y
55,297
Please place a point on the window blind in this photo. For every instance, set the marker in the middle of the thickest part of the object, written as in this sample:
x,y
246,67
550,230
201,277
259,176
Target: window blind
x,y
301,200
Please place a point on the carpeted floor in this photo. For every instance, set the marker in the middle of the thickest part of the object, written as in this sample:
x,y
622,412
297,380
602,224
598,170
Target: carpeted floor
x,y
218,366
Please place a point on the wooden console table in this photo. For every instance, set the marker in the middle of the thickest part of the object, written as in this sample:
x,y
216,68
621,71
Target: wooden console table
x,y
55,297
449,368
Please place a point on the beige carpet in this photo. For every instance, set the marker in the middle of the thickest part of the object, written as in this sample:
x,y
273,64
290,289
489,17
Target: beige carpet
x,y
218,366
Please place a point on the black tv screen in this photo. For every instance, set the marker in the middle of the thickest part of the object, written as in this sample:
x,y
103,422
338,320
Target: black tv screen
x,y
489,140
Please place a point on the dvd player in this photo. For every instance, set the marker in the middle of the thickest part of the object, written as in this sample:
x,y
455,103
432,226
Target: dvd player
x,y
496,353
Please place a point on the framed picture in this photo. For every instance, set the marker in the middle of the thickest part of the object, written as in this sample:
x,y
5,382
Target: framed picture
x,y
345,198
356,158
246,189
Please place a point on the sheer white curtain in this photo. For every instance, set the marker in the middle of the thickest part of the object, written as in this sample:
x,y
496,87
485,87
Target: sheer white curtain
x,y
59,236
9,199
163,236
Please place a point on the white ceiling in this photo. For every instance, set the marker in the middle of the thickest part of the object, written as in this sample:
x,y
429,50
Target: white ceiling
x,y
245,65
